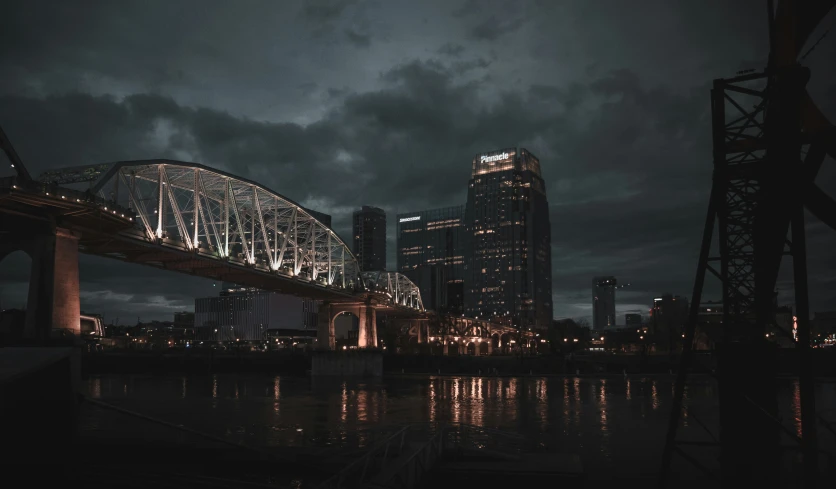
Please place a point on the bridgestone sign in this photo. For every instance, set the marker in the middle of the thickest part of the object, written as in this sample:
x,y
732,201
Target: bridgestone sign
x,y
494,158
408,219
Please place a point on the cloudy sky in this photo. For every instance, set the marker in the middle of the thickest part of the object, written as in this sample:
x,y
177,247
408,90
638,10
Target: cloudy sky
x,y
341,103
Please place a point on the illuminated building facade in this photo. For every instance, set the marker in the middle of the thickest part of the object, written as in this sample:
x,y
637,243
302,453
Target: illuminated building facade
x,y
508,265
369,226
603,303
431,254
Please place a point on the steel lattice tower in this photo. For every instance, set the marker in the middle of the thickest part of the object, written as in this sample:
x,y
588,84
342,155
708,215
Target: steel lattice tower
x,y
769,141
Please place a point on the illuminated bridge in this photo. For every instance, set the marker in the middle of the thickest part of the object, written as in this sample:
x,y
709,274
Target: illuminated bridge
x,y
188,218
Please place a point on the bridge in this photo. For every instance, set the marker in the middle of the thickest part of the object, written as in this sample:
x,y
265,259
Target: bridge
x,y
189,218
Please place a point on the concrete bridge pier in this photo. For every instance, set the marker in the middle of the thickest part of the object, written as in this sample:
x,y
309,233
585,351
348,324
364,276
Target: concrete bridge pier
x,y
421,327
53,303
367,334
325,338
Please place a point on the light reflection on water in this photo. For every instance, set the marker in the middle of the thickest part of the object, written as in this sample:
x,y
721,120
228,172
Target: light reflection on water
x,y
616,422
796,407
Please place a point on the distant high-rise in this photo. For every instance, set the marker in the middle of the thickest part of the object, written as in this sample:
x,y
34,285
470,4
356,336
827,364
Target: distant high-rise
x,y
320,216
431,254
369,225
633,320
603,303
509,240
668,317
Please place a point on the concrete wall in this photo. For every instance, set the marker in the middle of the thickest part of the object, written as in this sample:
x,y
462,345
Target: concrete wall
x,y
347,364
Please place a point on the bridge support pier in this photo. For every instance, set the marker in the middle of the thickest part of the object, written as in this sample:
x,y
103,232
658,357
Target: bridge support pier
x,y
325,338
53,302
420,326
367,334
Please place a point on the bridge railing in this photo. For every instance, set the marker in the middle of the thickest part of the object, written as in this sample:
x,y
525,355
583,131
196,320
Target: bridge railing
x,y
413,448
48,189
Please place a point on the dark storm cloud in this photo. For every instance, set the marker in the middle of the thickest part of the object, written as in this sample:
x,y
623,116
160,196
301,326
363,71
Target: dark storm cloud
x,y
495,27
451,49
326,10
613,99
358,39
407,147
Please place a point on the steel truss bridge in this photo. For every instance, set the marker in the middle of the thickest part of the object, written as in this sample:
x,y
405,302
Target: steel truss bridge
x,y
183,217
198,220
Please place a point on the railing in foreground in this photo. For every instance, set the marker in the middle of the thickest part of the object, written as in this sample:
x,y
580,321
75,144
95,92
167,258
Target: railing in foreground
x,y
357,471
407,467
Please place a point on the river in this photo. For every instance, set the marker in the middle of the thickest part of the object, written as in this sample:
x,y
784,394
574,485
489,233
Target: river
x,y
617,424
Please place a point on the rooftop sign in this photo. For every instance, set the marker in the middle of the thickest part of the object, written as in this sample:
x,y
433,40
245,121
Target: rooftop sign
x,y
494,158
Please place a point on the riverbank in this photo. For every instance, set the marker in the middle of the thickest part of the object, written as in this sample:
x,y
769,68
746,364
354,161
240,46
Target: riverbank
x,y
299,364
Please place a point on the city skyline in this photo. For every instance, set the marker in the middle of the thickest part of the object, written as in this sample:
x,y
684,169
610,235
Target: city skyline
x,y
622,128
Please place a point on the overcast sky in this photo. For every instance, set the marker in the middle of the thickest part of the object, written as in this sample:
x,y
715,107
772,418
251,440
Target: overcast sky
x,y
336,104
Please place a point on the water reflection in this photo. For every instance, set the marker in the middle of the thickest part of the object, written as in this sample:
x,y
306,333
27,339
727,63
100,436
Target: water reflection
x,y
344,403
96,388
604,420
654,396
796,407
602,406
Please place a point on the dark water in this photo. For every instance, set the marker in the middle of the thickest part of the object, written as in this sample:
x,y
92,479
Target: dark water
x,y
617,425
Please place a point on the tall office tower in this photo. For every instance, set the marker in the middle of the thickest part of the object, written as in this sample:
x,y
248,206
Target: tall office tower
x,y
431,254
320,216
667,318
508,275
369,224
603,303
633,320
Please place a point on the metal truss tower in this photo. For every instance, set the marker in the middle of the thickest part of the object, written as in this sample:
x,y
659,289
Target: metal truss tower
x,y
769,142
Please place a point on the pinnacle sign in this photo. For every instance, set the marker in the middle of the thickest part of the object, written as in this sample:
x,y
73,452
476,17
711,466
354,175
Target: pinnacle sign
x,y
494,158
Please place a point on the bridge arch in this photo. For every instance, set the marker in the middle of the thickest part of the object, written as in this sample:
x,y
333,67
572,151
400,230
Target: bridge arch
x,y
400,289
194,208
253,233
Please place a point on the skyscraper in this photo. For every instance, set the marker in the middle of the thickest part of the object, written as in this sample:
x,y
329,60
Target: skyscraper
x,y
633,320
668,317
603,303
431,254
509,240
320,216
369,225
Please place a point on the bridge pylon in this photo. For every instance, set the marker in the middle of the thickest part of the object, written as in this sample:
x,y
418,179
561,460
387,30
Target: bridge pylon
x,y
367,328
53,302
